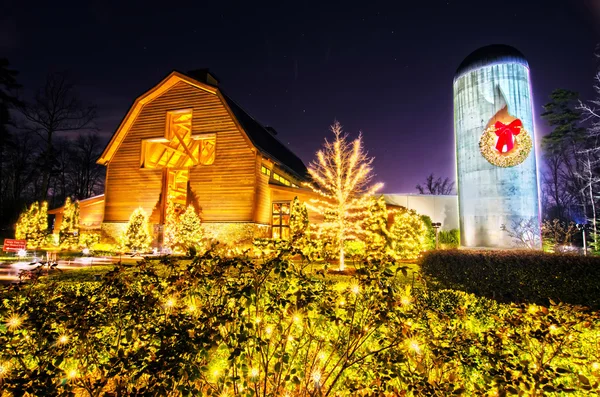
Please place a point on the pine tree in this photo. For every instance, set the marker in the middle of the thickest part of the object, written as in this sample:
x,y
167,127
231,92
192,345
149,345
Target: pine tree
x,y
137,235
376,234
170,231
33,225
189,230
408,235
69,227
298,220
341,174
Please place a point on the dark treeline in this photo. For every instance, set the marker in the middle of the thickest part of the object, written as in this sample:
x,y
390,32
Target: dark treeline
x,y
48,146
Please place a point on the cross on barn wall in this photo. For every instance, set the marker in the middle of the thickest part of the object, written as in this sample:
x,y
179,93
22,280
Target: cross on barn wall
x,y
179,150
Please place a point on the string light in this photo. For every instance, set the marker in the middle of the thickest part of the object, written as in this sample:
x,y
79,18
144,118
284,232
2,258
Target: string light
x,y
414,345
170,303
355,289
4,368
14,322
254,373
63,339
269,330
72,374
316,377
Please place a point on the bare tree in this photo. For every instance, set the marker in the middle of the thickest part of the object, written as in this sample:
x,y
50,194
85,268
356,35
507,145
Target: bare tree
x,y
56,108
436,186
590,156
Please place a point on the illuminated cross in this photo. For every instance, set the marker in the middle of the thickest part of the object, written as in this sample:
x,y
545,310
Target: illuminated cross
x,y
179,148
176,152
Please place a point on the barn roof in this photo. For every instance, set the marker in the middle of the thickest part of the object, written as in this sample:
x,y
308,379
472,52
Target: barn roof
x,y
264,140
260,136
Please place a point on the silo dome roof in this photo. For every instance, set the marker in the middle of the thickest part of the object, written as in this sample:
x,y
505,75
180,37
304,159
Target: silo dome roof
x,y
490,55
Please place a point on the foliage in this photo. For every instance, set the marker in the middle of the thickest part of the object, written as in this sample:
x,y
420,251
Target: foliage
x,y
342,174
298,220
137,234
228,326
557,234
517,276
33,225
525,233
189,229
408,235
449,238
170,233
69,227
430,236
88,239
436,186
377,238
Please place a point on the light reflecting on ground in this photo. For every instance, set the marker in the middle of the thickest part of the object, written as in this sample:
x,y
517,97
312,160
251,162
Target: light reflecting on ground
x,y
9,272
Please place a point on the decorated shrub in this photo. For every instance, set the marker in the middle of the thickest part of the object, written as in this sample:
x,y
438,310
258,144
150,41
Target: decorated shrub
x,y
33,225
408,234
230,326
137,235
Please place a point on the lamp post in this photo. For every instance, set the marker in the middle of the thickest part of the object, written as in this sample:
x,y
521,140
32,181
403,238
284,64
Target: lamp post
x,y
436,226
583,227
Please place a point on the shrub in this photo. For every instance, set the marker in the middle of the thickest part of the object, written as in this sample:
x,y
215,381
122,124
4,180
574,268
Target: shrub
x,y
521,276
449,239
230,326
408,235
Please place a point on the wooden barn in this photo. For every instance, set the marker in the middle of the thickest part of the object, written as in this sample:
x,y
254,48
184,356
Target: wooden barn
x,y
185,140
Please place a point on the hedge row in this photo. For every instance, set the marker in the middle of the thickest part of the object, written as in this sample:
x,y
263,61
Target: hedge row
x,y
517,276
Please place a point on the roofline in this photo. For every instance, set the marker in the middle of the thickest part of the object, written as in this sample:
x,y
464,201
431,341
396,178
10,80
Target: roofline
x,y
135,109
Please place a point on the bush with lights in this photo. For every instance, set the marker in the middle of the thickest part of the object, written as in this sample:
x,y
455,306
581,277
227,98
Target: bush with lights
x,y
137,234
69,226
232,326
33,225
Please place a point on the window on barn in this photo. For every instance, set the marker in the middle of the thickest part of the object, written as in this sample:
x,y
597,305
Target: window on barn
x,y
280,225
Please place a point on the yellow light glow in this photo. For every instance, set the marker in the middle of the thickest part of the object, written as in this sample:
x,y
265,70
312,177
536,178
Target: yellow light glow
x,y
72,374
170,303
414,345
316,377
14,322
355,289
4,368
290,338
192,308
63,339
257,320
269,330
342,302
254,373
216,373
322,356
405,301
596,366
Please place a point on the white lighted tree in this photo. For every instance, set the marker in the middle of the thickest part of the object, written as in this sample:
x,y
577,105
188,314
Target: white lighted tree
x,y
342,175
137,234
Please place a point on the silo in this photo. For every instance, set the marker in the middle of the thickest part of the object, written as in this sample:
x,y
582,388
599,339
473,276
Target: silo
x,y
495,147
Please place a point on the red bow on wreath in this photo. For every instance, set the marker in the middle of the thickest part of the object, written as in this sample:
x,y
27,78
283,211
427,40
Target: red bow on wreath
x,y
505,134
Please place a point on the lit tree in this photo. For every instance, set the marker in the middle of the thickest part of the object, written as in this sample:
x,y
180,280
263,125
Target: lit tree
x,y
342,174
171,224
408,235
33,225
69,227
376,233
137,235
298,220
189,229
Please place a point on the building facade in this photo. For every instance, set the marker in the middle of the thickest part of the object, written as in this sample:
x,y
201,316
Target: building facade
x,y
186,142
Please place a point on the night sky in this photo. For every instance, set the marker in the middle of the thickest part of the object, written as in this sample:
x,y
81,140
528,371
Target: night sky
x,y
385,69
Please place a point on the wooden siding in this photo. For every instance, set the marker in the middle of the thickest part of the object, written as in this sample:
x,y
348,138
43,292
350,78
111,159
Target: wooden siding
x,y
224,190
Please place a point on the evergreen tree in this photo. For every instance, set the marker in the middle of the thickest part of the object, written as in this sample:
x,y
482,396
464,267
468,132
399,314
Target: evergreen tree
x,y
170,231
137,235
408,235
561,151
33,225
69,227
298,220
376,233
342,174
189,230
